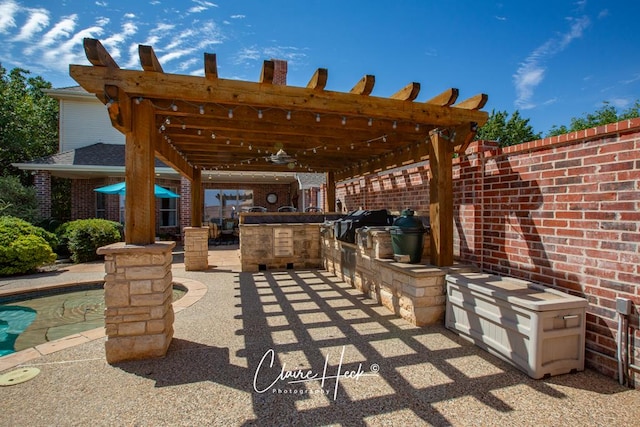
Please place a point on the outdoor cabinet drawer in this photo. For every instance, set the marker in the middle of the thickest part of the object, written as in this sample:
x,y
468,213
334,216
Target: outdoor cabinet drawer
x,y
282,242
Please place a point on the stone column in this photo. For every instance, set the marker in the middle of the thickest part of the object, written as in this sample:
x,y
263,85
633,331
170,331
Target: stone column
x,y
196,248
138,296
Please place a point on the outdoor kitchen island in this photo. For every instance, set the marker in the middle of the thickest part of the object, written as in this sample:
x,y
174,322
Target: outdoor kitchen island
x,y
281,240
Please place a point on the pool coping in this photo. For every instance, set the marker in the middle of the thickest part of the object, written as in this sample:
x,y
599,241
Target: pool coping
x,y
195,291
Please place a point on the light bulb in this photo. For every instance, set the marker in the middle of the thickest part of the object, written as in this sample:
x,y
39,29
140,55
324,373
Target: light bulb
x,y
259,114
174,107
201,109
288,115
344,121
417,127
370,122
230,113
213,135
395,124
317,117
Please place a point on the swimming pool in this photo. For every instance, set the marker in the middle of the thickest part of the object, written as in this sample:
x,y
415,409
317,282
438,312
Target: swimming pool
x,y
33,318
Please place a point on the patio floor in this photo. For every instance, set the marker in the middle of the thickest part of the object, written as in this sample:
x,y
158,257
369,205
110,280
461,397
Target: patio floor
x,y
221,353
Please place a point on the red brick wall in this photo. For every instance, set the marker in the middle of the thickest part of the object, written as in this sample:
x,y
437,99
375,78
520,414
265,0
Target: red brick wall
x,y
42,184
561,211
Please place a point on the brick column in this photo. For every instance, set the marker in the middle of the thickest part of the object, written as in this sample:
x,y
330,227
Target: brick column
x,y
42,182
138,296
196,248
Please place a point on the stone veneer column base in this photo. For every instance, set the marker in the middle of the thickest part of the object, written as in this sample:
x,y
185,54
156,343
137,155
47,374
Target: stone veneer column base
x,y
138,294
196,248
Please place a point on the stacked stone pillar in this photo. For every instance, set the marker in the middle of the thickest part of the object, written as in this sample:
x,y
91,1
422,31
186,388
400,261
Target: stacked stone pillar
x,y
196,248
138,295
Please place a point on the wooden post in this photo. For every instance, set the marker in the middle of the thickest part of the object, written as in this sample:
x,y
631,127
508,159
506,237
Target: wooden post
x,y
196,198
140,217
330,198
441,200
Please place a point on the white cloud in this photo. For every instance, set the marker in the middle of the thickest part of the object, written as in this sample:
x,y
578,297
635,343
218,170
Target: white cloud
x,y
8,9
61,30
633,79
37,21
501,18
620,102
238,16
532,71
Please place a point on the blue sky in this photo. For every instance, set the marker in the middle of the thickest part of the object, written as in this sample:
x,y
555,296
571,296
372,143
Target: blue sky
x,y
550,59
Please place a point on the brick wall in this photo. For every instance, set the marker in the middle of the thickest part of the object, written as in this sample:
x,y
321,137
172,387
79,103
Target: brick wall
x,y
561,211
42,183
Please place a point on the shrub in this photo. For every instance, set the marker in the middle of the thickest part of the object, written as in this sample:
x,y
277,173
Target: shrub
x,y
23,247
85,236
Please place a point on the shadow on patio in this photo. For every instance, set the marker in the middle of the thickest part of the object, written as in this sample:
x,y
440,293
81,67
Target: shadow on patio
x,y
412,375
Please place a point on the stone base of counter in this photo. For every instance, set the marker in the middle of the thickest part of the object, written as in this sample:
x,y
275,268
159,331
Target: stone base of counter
x,y
415,292
279,246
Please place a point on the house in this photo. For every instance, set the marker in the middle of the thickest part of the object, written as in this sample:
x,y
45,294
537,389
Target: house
x,y
92,154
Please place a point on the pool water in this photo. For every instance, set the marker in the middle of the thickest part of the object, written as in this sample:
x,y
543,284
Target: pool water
x,y
31,322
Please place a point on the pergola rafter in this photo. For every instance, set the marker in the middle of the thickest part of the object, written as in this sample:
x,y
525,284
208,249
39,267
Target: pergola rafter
x,y
205,123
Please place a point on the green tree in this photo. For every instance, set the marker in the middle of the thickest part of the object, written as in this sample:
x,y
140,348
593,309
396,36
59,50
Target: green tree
x,y
606,114
507,131
28,120
17,200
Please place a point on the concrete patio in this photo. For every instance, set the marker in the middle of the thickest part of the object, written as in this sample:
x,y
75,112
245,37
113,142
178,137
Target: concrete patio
x,y
218,368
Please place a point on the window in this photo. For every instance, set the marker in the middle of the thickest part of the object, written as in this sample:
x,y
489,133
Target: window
x,y
169,210
101,205
221,204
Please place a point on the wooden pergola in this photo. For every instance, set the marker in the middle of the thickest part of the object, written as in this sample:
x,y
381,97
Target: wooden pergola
x,y
202,123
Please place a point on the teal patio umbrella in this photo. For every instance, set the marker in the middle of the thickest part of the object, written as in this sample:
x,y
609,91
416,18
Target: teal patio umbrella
x,y
120,189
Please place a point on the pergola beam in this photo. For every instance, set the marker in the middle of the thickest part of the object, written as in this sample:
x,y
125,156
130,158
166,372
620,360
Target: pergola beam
x,y
268,70
210,66
148,59
364,87
98,55
407,93
196,89
319,79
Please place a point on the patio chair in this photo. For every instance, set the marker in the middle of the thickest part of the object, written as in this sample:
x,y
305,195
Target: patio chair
x,y
287,209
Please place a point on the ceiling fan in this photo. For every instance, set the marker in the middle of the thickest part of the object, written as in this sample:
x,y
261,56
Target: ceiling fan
x,y
281,158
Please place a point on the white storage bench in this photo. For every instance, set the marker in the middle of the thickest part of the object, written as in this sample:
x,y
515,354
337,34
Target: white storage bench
x,y
541,331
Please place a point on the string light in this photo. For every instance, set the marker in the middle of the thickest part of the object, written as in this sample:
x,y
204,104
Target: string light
x,y
370,122
317,117
174,107
213,135
395,124
344,120
259,114
288,115
417,127
201,109
230,113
